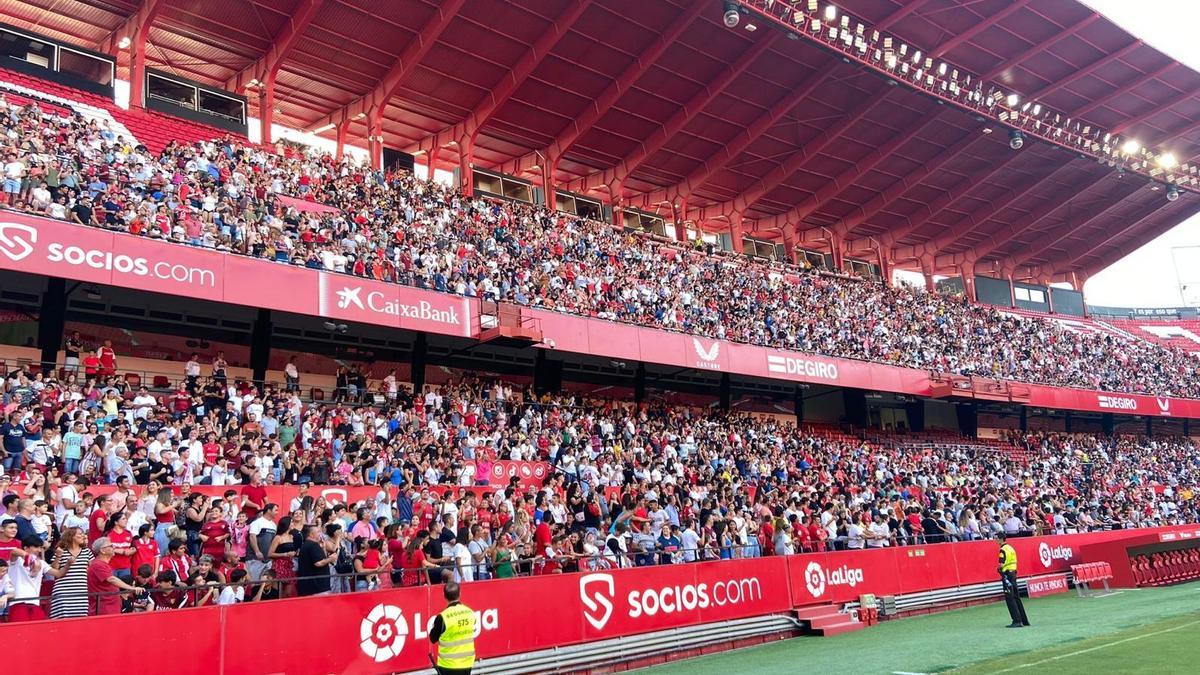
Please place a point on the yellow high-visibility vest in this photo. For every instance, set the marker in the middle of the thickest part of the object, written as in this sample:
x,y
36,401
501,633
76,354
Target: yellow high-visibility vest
x,y
456,646
1008,558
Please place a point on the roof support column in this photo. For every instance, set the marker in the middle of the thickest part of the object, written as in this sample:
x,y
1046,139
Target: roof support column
x,y
837,248
966,270
927,272
789,244
342,128
549,190
680,213
434,156
137,68
466,164
735,231
375,137
886,263
266,110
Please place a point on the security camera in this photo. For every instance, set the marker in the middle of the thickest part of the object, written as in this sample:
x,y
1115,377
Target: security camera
x,y
1016,139
732,17
330,326
1172,193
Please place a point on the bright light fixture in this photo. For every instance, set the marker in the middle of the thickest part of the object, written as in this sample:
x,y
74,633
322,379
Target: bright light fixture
x,y
830,12
124,42
1131,146
321,130
1013,100
1167,160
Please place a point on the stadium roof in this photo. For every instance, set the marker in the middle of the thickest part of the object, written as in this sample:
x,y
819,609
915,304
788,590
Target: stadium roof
x,y
660,101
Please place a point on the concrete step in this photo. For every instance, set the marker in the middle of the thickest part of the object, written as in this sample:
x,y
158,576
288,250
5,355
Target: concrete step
x,y
847,626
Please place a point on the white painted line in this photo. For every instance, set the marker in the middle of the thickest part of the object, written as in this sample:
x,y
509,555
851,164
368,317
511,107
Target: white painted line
x,y
1098,647
905,672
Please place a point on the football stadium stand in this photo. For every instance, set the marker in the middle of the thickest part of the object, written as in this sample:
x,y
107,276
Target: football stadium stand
x,y
607,312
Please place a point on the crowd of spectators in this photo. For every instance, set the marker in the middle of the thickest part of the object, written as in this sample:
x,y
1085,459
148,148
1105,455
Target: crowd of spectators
x,y
224,195
99,490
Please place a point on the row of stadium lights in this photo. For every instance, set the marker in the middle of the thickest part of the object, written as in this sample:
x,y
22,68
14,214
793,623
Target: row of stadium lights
x,y
833,28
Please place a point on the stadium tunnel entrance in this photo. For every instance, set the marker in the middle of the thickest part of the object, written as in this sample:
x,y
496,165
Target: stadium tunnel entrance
x,y
154,335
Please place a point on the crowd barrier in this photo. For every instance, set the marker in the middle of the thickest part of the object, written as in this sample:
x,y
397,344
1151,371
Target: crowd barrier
x,y
54,248
386,631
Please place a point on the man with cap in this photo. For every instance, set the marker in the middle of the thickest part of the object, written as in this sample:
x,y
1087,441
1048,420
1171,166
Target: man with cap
x,y
1007,568
453,632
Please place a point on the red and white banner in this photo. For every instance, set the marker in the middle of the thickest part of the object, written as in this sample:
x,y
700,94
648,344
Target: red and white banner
x,y
387,631
55,248
1047,585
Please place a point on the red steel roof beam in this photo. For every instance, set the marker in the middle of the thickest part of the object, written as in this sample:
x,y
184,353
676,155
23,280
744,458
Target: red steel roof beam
x,y
978,28
796,215
1122,90
975,218
893,192
1042,245
402,68
1182,97
1015,229
1092,67
267,66
600,106
781,172
498,95
616,175
1052,238
1135,227
137,29
1041,46
729,151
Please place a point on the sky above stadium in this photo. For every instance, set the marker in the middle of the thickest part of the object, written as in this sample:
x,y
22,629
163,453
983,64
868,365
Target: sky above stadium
x,y
1166,271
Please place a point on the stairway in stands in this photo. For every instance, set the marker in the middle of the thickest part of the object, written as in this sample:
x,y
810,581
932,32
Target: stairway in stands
x,y
826,620
152,129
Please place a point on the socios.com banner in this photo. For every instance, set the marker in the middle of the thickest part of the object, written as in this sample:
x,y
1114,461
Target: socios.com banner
x,y
55,248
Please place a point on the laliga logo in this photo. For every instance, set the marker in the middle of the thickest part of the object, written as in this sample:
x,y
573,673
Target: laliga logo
x,y
708,357
597,603
1048,555
382,632
815,579
15,246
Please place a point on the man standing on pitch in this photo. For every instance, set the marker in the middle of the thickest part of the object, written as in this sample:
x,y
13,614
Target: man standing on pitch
x,y
453,632
1008,576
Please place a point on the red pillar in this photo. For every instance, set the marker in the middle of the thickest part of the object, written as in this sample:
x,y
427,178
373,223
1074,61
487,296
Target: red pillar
x,y
375,144
266,109
681,210
967,271
549,191
735,231
434,157
837,248
789,243
342,128
466,162
137,69
886,264
616,194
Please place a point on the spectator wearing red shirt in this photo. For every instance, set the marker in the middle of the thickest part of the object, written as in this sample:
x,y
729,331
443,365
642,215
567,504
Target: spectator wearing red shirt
x,y
98,520
8,539
254,496
103,585
145,549
214,535
108,359
122,543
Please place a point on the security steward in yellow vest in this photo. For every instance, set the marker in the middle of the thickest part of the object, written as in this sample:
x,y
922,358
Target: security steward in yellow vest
x,y
1008,575
453,632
